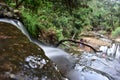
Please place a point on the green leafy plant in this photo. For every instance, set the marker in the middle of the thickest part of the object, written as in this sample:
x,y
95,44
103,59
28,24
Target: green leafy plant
x,y
116,33
71,18
30,22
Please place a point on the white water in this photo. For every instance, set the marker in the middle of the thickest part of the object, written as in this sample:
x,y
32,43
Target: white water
x,y
113,51
100,68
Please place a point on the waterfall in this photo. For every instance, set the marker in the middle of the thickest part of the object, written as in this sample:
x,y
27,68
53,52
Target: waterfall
x,y
64,61
89,67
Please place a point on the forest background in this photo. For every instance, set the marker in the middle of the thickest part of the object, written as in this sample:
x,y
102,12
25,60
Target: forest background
x,y
54,20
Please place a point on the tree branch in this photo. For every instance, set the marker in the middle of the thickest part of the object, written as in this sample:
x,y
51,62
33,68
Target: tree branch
x,y
60,42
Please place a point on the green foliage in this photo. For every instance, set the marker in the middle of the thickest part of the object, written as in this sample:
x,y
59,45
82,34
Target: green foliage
x,y
116,33
104,14
10,2
81,17
43,20
30,22
68,17
33,4
59,34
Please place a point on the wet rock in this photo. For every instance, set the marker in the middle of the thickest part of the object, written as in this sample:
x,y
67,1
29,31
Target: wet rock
x,y
9,14
14,49
6,11
101,68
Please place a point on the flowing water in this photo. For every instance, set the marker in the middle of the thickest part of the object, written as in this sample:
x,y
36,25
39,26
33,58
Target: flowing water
x,y
88,66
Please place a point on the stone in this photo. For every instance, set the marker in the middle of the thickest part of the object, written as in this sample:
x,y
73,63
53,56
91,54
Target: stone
x,y
6,11
14,49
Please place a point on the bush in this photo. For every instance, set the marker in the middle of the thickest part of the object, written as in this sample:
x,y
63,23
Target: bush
x,y
30,21
116,33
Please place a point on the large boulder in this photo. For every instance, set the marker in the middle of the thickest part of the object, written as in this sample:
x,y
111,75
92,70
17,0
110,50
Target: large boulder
x,y
15,48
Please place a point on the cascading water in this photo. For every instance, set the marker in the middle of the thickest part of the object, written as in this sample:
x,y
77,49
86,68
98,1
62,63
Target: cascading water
x,y
64,61
113,51
86,67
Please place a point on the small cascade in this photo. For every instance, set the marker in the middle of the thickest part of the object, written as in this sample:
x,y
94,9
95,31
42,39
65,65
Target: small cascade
x,y
112,51
117,54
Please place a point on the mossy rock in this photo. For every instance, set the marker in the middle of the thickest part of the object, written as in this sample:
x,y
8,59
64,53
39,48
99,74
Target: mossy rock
x,y
14,48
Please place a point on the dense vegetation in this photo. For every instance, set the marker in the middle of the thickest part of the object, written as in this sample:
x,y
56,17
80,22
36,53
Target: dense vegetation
x,y
53,20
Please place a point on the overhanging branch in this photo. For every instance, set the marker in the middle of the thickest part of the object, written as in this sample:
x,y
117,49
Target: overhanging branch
x,y
60,42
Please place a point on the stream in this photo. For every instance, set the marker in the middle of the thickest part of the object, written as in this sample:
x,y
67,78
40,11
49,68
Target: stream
x,y
87,66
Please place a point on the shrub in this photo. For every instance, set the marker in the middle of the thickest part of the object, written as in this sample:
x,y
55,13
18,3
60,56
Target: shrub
x,y
30,21
116,33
